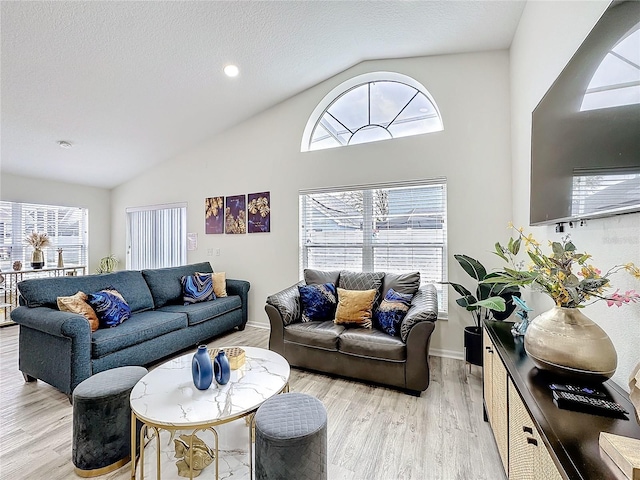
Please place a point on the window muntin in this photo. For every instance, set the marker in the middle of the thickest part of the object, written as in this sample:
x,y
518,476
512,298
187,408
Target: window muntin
x,y
616,82
157,236
397,228
369,108
67,228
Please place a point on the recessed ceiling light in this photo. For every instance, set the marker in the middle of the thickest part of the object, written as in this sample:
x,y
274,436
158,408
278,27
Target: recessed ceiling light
x,y
65,144
231,71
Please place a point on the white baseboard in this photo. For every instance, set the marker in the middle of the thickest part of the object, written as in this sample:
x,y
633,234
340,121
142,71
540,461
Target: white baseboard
x,y
264,326
437,352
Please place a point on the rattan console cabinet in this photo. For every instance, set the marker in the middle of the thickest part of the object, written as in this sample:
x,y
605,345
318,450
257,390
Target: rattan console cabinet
x,y
537,440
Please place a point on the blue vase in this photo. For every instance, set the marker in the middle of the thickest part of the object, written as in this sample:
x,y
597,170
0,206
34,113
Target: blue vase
x,y
202,368
222,368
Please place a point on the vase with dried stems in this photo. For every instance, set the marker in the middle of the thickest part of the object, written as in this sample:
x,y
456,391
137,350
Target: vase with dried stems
x,y
38,241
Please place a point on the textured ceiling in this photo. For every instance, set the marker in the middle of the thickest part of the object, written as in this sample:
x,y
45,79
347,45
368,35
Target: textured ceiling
x,y
134,83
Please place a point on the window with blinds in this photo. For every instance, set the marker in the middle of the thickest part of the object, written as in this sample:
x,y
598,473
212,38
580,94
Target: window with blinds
x,y
390,228
604,190
156,236
67,228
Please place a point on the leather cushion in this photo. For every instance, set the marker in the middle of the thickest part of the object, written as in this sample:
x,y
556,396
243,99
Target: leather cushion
x,y
372,343
401,282
318,277
315,334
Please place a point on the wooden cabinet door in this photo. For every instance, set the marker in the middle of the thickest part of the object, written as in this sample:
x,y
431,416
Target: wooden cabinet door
x,y
529,458
487,373
500,417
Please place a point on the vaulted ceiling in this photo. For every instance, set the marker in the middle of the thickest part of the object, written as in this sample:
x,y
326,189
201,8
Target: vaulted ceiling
x,y
133,83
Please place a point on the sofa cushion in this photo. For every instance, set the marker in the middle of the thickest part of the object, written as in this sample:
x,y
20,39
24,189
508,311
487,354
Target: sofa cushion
x,y
355,307
78,304
44,292
392,310
362,281
315,334
140,327
318,302
110,307
164,283
197,288
401,282
318,277
200,312
372,343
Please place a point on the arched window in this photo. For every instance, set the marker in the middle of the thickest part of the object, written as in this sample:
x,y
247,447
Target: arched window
x,y
371,107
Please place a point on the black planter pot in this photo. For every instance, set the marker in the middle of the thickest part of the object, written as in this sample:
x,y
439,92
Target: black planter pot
x,y
473,345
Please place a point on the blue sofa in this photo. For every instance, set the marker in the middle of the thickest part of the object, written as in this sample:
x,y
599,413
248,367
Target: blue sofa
x,y
58,347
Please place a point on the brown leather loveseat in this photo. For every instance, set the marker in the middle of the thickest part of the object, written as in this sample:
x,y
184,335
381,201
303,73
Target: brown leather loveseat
x,y
367,354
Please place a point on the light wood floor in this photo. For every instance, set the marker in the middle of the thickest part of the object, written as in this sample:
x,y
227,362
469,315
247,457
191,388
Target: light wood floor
x,y
374,432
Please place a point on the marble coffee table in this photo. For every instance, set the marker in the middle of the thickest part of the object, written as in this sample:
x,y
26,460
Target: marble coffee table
x,y
166,401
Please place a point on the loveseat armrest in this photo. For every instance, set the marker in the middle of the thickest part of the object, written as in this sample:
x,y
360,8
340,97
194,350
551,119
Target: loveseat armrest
x,y
424,308
282,309
240,288
287,303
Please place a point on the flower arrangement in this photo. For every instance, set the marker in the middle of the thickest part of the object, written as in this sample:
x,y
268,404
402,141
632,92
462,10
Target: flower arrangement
x,y
565,274
38,240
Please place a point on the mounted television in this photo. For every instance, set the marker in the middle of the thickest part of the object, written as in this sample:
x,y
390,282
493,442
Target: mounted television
x,y
585,142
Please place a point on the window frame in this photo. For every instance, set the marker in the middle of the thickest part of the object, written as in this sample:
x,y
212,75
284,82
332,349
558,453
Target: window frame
x,y
173,258
367,248
47,220
347,86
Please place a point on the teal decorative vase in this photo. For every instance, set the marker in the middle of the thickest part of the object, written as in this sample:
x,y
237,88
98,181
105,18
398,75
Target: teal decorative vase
x,y
202,368
222,368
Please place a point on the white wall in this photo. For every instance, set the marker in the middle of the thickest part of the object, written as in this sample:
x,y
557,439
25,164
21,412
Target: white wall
x,y
548,35
17,188
263,154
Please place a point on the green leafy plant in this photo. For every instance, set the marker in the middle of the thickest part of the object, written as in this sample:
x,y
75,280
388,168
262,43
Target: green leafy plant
x,y
566,274
107,264
490,300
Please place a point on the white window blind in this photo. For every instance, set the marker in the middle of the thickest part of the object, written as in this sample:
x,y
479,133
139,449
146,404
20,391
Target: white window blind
x,y
67,228
391,228
156,236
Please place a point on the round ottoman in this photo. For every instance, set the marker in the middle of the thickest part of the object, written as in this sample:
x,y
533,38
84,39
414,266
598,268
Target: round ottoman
x,y
291,438
102,421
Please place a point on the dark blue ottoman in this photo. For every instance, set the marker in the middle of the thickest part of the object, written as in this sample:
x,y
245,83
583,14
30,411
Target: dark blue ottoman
x,y
102,421
291,438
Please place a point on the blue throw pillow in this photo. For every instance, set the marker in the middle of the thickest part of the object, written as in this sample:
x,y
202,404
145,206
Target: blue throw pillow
x,y
110,307
392,310
197,288
318,302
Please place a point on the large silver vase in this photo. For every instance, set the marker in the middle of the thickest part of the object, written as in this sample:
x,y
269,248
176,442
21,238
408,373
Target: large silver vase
x,y
566,341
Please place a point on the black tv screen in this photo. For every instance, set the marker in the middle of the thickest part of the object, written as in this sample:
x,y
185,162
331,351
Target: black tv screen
x,y
585,142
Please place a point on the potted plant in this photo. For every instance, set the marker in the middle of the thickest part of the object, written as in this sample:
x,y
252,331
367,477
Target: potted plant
x,y
38,241
490,301
107,264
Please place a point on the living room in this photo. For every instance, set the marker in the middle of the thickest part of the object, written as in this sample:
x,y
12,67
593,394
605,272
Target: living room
x,y
486,98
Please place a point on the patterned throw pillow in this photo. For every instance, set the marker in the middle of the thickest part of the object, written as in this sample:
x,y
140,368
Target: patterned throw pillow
x,y
78,304
392,310
362,281
197,288
318,302
354,307
219,283
110,307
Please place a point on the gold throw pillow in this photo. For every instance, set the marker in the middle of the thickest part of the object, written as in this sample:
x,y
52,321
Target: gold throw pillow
x,y
78,304
354,307
219,284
